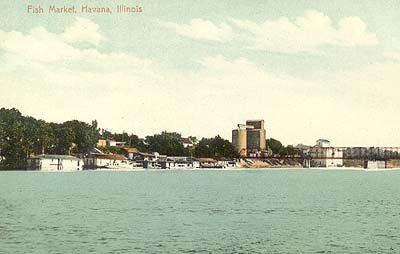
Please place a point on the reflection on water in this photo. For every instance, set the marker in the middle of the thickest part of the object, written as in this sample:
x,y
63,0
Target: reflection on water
x,y
288,211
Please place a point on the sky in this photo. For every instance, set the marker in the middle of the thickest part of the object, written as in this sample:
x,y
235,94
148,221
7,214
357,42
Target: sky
x,y
310,69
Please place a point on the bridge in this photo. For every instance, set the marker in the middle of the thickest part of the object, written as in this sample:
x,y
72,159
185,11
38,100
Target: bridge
x,y
380,157
353,153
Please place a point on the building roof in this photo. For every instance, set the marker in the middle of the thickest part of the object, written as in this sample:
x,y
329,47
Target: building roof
x,y
147,154
55,156
209,160
109,156
131,150
186,141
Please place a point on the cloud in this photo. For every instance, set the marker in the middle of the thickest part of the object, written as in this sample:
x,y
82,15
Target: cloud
x,y
307,33
53,77
392,55
42,46
56,79
83,30
201,29
38,43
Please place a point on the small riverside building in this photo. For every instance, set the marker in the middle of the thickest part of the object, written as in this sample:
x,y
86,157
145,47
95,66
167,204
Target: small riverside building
x,y
179,163
375,164
55,163
209,163
94,161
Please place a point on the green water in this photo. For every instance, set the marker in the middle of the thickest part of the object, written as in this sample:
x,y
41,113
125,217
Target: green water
x,y
286,211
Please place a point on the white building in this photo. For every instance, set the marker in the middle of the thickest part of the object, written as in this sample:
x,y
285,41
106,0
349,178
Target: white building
x,y
111,161
109,143
323,143
324,155
179,163
187,143
55,163
377,164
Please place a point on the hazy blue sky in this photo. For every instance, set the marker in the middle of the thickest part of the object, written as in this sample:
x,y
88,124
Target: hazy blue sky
x,y
311,69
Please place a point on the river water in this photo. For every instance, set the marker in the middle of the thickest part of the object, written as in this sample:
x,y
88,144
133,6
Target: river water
x,y
255,211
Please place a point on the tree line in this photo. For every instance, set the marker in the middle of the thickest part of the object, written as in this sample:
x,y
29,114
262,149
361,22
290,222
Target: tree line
x,y
170,143
24,136
279,150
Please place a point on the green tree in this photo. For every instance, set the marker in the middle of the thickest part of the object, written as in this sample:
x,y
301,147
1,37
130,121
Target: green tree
x,y
193,139
131,140
64,141
168,143
136,142
292,151
276,146
216,147
105,134
22,136
15,145
85,135
122,137
45,138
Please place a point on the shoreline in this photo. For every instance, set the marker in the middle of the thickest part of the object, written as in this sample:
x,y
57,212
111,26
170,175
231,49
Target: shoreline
x,y
210,169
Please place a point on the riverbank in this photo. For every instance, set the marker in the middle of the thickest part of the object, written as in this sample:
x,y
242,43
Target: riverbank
x,y
247,164
270,163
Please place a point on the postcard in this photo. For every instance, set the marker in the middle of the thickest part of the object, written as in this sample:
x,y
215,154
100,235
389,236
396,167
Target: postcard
x,y
199,126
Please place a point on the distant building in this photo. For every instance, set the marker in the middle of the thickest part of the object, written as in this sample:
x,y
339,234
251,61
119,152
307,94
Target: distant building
x,y
250,138
55,163
302,147
109,143
131,153
101,143
186,142
208,163
324,155
115,143
239,140
372,153
111,161
178,162
375,164
323,143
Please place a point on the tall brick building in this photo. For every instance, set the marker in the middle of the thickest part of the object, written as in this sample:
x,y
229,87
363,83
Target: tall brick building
x,y
249,138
